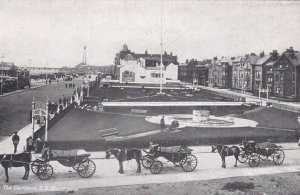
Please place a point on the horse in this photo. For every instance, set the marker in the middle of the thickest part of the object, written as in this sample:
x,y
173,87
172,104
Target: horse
x,y
124,155
226,151
16,160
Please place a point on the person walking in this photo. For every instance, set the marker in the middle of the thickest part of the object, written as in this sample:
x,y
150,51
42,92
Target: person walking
x,y
15,140
162,123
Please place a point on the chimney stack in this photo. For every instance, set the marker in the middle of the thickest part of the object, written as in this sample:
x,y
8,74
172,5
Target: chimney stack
x,y
291,52
262,54
274,54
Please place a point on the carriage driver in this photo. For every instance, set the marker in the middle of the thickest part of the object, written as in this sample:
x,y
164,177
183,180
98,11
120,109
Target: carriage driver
x,y
29,144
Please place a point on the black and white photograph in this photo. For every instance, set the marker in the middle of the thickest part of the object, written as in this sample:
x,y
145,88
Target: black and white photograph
x,y
150,97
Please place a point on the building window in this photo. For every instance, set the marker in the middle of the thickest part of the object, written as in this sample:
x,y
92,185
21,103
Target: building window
x,y
247,83
156,75
276,77
294,90
257,83
294,76
241,74
247,73
281,77
257,74
277,90
280,66
241,83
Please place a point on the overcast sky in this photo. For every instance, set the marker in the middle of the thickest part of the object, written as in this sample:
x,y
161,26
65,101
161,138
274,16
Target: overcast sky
x,y
55,32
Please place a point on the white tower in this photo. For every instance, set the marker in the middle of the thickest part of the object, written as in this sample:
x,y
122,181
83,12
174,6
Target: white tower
x,y
84,56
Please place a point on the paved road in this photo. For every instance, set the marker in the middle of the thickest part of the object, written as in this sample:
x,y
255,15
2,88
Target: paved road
x,y
209,167
15,108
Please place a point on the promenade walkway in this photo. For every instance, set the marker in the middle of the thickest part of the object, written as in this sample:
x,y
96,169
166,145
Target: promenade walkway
x,y
7,147
171,103
249,97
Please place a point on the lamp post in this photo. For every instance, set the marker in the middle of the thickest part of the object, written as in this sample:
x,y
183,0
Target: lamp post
x,y
2,75
32,116
29,61
297,131
161,53
47,119
17,79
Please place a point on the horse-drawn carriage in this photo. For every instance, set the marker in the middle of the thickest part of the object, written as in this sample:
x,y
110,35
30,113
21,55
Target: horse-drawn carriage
x,y
78,159
254,152
178,155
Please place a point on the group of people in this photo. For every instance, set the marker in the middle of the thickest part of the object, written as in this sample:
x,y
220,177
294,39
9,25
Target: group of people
x,y
71,85
30,144
173,126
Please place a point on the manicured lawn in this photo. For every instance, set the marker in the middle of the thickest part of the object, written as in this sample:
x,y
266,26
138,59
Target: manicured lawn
x,y
84,125
272,117
139,94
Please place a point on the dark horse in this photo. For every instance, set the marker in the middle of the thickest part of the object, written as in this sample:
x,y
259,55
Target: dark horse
x,y
226,151
125,154
16,160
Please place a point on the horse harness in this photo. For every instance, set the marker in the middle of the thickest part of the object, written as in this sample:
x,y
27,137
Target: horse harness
x,y
10,160
226,149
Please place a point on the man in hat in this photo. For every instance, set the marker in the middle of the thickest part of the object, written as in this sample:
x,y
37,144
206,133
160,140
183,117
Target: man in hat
x,y
162,123
29,144
15,140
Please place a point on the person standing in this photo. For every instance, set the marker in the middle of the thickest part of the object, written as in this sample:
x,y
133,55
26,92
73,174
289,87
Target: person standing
x,y
64,101
162,123
29,144
15,140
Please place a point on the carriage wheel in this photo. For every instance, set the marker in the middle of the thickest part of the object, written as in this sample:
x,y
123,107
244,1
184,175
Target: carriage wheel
x,y
147,161
86,168
45,171
75,166
278,157
180,162
35,165
190,163
254,160
156,167
243,157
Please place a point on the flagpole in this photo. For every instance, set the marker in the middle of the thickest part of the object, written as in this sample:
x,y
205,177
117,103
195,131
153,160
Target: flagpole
x,y
161,51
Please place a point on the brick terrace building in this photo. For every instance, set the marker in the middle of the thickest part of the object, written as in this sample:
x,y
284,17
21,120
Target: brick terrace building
x,y
242,72
262,72
182,72
237,72
220,73
197,71
286,75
